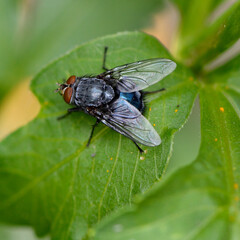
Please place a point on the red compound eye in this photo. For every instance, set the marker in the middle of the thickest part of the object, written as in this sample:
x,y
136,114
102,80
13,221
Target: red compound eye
x,y
68,94
71,80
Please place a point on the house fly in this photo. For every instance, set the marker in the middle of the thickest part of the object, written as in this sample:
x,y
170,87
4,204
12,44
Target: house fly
x,y
115,97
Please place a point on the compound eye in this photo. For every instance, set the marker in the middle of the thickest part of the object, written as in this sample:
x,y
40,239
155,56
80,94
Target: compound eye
x,y
71,80
68,94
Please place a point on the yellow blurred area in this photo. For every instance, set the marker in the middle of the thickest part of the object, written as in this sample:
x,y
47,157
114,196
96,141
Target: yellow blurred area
x,y
18,108
164,27
21,106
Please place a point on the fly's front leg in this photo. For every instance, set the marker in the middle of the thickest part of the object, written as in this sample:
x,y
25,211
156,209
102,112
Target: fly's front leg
x,y
69,111
104,59
93,127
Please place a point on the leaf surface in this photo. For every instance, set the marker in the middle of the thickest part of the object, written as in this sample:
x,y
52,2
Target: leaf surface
x,y
51,181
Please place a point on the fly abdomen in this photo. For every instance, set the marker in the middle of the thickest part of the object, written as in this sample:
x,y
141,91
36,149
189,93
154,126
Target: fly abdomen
x,y
93,92
134,98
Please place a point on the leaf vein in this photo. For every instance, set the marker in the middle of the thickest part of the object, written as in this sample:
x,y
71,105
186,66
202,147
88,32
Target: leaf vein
x,y
109,179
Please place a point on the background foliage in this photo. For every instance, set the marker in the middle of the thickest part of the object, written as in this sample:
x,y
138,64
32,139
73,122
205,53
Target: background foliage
x,y
36,32
49,179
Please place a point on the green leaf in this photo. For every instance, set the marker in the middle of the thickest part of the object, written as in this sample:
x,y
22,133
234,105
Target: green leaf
x,y
35,32
194,19
200,201
51,181
216,39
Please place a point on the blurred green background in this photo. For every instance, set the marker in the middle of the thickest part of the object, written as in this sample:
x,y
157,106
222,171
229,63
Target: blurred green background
x,y
33,33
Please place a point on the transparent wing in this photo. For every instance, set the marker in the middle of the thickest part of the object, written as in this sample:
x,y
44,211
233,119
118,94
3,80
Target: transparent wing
x,y
139,75
127,120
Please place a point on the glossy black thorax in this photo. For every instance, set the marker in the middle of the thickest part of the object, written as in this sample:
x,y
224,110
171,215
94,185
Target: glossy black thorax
x,y
96,92
92,92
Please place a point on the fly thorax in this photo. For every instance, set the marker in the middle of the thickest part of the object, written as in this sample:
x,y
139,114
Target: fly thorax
x,y
93,92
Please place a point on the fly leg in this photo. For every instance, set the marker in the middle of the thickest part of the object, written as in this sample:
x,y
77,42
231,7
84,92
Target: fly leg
x,y
93,127
69,111
104,59
151,92
140,150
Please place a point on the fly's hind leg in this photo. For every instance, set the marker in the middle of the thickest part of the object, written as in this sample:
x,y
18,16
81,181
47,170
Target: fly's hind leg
x,y
69,111
93,127
152,92
104,59
140,150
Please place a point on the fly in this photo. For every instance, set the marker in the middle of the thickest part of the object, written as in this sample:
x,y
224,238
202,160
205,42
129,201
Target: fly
x,y
115,97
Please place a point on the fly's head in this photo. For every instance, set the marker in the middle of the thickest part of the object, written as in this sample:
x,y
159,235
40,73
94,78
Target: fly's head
x,y
66,89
